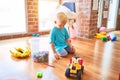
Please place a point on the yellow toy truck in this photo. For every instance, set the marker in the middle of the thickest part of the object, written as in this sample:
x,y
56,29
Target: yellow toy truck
x,y
75,67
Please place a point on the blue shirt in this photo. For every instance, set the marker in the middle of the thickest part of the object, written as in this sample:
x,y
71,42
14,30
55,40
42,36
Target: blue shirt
x,y
58,37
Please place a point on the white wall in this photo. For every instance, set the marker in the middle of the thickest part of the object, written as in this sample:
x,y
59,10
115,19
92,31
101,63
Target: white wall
x,y
112,14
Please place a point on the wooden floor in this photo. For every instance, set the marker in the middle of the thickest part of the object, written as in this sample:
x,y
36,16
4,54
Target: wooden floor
x,y
101,60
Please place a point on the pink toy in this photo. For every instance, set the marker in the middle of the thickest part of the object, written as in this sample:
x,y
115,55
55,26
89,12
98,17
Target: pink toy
x,y
108,36
72,32
102,29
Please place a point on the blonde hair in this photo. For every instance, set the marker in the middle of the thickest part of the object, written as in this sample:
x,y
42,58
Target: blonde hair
x,y
61,16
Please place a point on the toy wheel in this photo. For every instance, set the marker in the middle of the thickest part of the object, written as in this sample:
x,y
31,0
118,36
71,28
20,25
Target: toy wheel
x,y
79,74
82,69
67,73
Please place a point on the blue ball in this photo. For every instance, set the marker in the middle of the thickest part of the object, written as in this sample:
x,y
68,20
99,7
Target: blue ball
x,y
34,34
37,35
114,38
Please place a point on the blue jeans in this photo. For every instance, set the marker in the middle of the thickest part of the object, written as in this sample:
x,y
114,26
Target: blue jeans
x,y
65,51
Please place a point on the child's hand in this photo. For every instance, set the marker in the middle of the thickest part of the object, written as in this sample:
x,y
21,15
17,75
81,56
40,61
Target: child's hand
x,y
72,49
57,56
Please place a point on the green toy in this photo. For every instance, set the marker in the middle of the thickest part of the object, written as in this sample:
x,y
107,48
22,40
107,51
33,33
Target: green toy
x,y
104,39
39,74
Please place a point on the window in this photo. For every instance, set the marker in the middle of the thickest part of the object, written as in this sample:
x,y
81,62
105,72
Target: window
x,y
46,11
12,16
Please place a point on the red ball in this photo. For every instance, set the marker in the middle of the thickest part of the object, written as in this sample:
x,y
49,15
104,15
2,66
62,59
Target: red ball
x,y
109,37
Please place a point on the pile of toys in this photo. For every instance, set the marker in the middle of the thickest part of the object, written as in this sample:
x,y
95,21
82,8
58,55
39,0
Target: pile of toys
x,y
104,36
41,56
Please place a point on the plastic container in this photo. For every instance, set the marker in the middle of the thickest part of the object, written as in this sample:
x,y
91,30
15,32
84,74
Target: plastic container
x,y
34,45
41,56
37,53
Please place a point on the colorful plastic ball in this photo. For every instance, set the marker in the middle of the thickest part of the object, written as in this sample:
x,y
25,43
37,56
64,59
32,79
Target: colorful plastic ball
x,y
34,34
114,38
108,36
39,74
102,29
37,35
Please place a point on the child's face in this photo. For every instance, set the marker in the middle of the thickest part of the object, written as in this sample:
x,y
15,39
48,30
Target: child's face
x,y
61,20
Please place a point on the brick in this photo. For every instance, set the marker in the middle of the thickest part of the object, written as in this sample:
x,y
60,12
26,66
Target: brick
x,y
30,19
35,4
33,11
36,23
29,3
29,7
34,30
34,27
29,11
31,15
35,19
31,23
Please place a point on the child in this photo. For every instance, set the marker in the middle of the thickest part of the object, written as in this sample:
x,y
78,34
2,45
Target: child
x,y
59,37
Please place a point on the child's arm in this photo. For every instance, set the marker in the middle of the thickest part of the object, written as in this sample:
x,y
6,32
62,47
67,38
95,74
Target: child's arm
x,y
53,49
69,42
57,56
71,47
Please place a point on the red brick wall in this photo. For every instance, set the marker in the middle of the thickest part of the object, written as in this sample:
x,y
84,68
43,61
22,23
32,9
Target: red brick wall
x,y
32,16
104,20
86,19
83,17
93,23
118,23
118,19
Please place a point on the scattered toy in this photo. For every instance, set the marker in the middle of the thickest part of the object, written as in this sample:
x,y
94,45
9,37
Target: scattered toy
x,y
20,52
75,67
39,74
36,35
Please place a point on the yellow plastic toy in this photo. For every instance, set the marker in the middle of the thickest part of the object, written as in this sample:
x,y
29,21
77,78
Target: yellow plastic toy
x,y
100,35
75,67
20,52
103,33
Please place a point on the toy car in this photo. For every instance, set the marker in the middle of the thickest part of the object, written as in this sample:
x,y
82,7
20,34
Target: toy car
x,y
75,67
